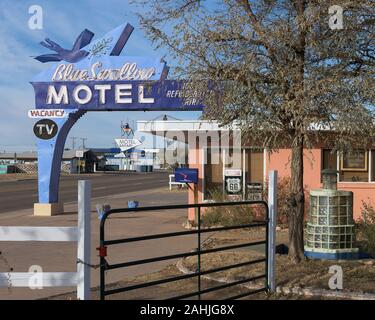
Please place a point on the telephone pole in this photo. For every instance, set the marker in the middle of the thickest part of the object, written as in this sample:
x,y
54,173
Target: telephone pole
x,y
83,142
73,142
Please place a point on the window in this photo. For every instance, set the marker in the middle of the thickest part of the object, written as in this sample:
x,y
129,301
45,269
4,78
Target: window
x,y
213,174
354,161
254,166
251,164
354,166
329,159
254,174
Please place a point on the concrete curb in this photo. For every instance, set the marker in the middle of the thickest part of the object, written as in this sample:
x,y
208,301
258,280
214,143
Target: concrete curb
x,y
314,292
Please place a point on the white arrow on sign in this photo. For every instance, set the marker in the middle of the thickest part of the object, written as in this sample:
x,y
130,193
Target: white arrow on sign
x,y
126,144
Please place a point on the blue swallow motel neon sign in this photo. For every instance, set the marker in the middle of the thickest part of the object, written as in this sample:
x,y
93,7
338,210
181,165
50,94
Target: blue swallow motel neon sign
x,y
92,76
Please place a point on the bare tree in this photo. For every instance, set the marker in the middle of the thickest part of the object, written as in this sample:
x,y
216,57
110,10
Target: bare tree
x,y
285,70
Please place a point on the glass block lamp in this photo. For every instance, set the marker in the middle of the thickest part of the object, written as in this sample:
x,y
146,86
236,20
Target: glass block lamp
x,y
330,230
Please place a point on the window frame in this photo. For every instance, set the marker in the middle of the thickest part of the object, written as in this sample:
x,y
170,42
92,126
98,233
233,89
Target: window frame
x,y
366,167
370,157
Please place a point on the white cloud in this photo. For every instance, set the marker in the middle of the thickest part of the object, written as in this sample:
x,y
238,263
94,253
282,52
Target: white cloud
x,y
63,21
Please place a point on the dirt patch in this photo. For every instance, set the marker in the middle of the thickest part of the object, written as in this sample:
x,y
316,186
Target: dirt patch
x,y
162,291
358,276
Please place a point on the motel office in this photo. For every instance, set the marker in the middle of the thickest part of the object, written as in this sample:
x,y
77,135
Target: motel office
x,y
356,169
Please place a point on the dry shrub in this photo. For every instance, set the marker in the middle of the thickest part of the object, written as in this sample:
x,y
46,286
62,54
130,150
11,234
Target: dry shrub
x,y
366,228
284,195
226,216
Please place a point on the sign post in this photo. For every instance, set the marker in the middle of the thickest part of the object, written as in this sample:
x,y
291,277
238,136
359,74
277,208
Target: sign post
x,y
272,204
93,76
79,154
233,183
188,176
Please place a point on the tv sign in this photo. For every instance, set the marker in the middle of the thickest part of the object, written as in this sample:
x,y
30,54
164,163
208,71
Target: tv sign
x,y
45,129
186,175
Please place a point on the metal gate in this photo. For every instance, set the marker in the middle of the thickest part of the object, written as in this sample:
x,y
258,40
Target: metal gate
x,y
105,266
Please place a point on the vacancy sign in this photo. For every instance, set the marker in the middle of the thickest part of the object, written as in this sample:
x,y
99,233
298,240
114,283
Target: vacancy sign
x,y
126,144
47,113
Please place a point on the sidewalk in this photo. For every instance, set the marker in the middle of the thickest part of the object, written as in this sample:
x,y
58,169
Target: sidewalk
x,y
61,256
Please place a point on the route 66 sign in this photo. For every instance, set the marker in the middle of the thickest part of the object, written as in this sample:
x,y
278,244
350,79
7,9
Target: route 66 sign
x,y
233,185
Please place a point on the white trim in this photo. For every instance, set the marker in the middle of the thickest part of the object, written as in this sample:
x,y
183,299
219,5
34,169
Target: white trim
x,y
44,279
243,174
369,165
203,171
357,182
38,233
224,170
264,166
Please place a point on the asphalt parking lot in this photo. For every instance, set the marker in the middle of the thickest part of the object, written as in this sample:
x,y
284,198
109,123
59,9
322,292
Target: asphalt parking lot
x,y
22,194
60,256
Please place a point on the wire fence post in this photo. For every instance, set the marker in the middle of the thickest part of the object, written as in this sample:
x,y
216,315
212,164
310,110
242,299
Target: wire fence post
x,y
272,205
84,241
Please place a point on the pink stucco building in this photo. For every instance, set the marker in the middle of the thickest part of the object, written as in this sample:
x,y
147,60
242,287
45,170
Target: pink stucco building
x,y
356,169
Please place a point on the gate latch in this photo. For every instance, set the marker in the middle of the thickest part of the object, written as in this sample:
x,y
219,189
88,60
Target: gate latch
x,y
102,251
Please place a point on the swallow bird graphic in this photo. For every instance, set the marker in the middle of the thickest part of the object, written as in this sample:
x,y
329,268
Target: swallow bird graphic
x,y
73,55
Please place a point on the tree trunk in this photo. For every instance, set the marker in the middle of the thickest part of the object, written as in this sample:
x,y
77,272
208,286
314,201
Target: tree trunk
x,y
296,216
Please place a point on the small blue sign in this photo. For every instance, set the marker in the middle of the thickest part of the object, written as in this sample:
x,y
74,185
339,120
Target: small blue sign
x,y
186,175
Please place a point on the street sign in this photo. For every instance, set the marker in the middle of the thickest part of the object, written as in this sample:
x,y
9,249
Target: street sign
x,y
126,144
93,76
79,153
47,113
233,181
233,172
185,175
233,185
45,129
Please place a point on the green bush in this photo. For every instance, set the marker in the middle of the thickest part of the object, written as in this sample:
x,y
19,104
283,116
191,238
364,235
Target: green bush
x,y
366,228
226,216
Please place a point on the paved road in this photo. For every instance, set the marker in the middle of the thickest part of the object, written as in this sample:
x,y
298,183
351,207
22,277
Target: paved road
x,y
17,195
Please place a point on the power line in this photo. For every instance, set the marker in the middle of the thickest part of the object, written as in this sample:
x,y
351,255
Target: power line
x,y
73,142
83,142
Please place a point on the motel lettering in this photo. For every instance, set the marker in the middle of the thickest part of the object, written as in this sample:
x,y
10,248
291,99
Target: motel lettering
x,y
83,94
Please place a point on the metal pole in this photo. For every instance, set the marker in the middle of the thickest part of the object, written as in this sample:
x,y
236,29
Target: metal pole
x,y
102,259
199,253
272,204
84,241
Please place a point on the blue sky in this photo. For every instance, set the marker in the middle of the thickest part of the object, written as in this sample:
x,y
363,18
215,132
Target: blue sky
x,y
62,22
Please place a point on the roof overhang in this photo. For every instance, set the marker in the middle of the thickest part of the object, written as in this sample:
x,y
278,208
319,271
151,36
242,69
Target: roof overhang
x,y
179,125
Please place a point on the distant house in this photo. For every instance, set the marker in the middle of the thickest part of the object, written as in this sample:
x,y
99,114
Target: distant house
x,y
28,161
